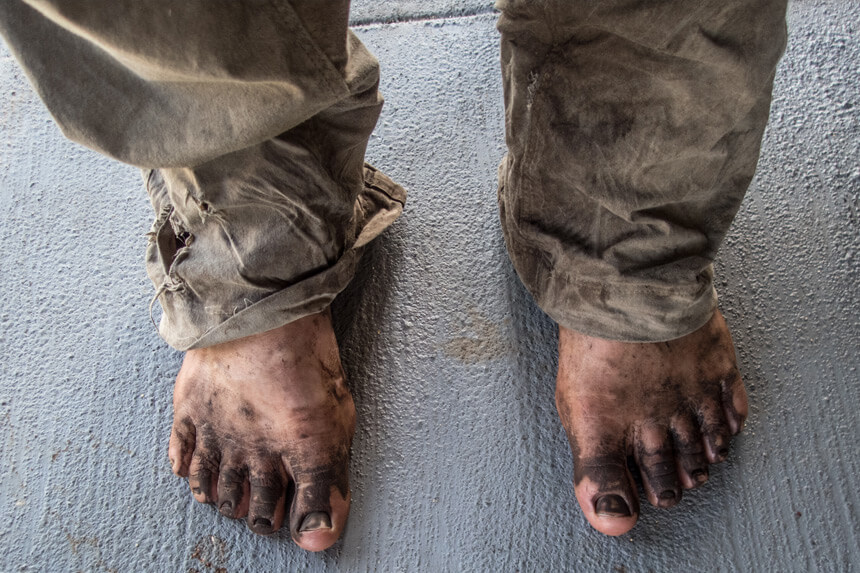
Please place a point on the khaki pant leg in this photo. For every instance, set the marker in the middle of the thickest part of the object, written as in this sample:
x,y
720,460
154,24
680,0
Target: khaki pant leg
x,y
251,120
633,131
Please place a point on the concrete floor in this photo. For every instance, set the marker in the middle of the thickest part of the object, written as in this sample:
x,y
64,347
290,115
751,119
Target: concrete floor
x,y
459,463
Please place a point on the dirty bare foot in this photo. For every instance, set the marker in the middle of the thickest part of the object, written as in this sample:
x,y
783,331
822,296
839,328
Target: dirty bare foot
x,y
672,406
262,428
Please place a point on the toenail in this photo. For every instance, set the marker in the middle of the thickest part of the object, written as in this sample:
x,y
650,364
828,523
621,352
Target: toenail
x,y
226,508
700,476
316,520
724,452
612,506
262,523
667,494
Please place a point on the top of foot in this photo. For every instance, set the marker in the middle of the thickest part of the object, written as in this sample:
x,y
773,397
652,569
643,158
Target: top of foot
x,y
262,429
671,406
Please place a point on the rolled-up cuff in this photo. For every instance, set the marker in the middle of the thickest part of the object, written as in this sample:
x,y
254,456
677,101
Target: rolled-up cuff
x,y
188,322
629,312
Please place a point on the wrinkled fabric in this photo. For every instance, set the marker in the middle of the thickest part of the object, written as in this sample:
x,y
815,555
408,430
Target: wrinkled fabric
x,y
161,83
251,119
243,260
633,130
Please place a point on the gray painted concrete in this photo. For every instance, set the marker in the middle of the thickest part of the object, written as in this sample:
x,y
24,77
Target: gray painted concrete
x,y
374,11
459,462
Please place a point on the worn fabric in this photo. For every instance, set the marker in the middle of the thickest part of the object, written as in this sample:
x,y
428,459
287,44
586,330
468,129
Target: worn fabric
x,y
633,130
251,119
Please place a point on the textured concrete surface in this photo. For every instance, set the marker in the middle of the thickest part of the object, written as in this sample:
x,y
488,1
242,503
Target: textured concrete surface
x,y
459,462
373,11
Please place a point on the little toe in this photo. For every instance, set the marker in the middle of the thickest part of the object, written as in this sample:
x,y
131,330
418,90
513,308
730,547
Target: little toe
x,y
735,404
268,486
203,474
716,433
654,452
320,506
233,487
605,491
181,446
689,451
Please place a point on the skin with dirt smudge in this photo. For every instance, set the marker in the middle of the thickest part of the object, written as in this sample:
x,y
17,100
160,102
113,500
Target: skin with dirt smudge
x,y
670,406
263,427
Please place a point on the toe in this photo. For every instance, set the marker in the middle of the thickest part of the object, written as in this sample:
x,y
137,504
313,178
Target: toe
x,y
320,506
605,490
181,446
735,405
203,474
715,431
689,451
233,487
654,452
268,485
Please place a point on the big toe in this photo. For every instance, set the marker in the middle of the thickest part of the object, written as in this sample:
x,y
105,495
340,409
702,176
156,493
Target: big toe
x,y
606,493
320,507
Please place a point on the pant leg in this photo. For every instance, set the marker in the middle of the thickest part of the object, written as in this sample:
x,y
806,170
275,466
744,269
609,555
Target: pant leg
x,y
251,120
633,131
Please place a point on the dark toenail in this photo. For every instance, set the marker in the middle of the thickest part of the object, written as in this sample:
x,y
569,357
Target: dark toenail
x,y
612,506
197,491
316,520
724,452
667,494
262,523
700,476
226,508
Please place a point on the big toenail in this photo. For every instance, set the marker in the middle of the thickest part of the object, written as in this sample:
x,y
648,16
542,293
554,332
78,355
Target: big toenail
x,y
724,452
226,508
316,520
700,476
262,523
612,506
667,494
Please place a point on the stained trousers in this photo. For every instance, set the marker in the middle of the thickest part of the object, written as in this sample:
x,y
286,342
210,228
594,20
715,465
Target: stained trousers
x,y
633,130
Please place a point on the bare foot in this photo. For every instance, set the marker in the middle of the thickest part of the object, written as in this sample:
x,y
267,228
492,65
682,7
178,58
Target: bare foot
x,y
673,406
262,428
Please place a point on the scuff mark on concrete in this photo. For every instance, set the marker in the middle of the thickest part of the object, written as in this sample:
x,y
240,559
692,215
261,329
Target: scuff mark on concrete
x,y
484,341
